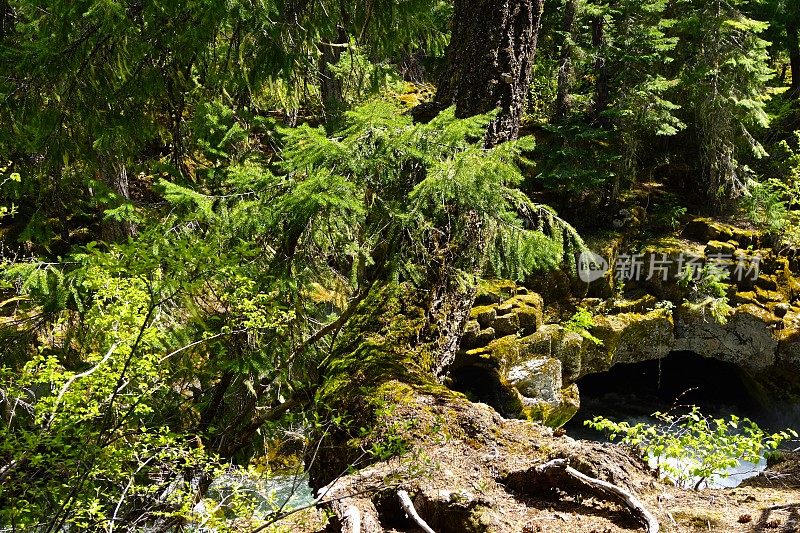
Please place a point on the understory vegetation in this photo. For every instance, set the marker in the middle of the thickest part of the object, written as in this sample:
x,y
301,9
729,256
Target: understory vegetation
x,y
197,199
692,448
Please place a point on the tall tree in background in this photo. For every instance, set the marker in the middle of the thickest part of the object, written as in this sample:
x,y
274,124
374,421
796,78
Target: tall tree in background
x,y
637,49
489,62
793,42
565,70
724,88
783,34
600,42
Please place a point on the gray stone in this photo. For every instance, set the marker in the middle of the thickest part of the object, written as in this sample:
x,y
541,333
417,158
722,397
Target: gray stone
x,y
507,324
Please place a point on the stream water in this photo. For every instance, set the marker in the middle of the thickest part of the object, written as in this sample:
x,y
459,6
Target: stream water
x,y
632,392
269,494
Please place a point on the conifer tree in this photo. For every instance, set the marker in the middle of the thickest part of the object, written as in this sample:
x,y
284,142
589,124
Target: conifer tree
x,y
725,70
565,67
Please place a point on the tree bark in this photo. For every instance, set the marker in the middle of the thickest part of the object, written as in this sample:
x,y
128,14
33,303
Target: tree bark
x,y
330,88
489,62
6,18
792,33
565,62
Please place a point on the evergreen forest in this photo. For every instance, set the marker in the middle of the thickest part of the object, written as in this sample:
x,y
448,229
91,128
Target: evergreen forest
x,y
380,265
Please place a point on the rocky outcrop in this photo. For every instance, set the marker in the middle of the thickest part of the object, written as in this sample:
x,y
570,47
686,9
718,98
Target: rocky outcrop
x,y
754,324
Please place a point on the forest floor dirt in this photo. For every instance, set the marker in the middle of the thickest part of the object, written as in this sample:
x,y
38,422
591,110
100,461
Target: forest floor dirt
x,y
476,476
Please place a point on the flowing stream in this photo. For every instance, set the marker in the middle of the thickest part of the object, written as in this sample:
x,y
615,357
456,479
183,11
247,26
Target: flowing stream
x,y
269,494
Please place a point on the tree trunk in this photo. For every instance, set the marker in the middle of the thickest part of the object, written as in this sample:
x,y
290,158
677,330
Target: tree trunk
x,y
452,289
565,63
601,71
489,62
403,337
792,31
330,88
115,175
6,18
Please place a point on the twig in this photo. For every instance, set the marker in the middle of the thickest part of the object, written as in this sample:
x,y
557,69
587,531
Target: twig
x,y
71,380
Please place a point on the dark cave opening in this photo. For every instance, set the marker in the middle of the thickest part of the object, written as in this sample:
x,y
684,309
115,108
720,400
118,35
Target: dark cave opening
x,y
635,391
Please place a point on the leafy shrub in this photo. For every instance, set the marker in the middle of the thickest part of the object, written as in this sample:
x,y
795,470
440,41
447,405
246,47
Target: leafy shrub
x,y
707,289
581,322
691,448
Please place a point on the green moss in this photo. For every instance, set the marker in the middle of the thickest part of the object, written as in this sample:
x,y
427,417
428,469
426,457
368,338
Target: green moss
x,y
495,291
744,297
508,350
764,295
482,311
550,415
645,303
718,247
699,517
479,520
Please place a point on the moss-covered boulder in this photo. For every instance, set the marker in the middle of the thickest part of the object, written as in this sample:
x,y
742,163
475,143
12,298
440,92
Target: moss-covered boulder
x,y
544,398
504,309
628,338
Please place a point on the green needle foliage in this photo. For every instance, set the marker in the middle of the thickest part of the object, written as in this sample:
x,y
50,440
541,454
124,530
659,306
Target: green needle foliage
x,y
145,357
724,87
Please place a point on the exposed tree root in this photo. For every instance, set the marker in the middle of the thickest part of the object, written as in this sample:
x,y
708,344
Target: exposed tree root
x,y
408,507
351,520
559,474
356,515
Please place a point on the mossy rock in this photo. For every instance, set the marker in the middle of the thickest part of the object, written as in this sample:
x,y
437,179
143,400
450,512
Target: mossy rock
x,y
470,336
495,291
719,248
789,348
537,378
745,339
507,324
552,340
554,415
554,285
509,350
485,336
481,356
766,296
767,282
705,229
744,297
529,299
628,338
608,246
638,305
484,315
